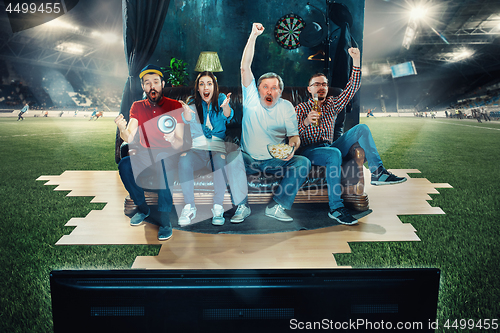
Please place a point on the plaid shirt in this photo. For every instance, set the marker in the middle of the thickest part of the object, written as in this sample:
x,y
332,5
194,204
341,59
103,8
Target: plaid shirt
x,y
329,110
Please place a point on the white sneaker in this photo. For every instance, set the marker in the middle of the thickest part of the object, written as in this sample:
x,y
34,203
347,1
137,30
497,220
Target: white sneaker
x,y
278,212
218,212
188,213
242,212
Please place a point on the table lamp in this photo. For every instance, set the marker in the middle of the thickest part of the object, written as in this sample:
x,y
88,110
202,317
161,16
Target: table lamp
x,y
208,61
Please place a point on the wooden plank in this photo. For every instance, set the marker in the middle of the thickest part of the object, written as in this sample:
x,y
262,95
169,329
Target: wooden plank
x,y
189,250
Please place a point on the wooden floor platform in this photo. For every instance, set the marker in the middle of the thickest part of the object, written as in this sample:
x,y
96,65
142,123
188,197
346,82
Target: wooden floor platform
x,y
188,250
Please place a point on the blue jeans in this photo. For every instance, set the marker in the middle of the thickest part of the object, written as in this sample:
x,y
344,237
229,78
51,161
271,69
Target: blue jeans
x,y
163,169
237,177
194,160
330,156
294,174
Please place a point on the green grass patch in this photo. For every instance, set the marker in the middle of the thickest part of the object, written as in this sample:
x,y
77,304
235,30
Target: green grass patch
x,y
463,243
33,215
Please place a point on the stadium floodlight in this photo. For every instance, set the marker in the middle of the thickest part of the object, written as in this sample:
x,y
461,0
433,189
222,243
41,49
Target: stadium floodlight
x,y
58,24
385,69
461,54
110,38
107,37
411,31
496,29
418,13
73,48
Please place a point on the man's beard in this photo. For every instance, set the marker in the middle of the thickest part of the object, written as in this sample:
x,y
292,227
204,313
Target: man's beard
x,y
157,96
273,102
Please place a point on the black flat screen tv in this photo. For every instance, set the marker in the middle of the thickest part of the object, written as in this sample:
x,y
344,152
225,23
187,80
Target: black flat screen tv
x,y
287,300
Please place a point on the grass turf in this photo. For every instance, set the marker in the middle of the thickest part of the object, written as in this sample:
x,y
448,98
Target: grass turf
x,y
463,243
33,215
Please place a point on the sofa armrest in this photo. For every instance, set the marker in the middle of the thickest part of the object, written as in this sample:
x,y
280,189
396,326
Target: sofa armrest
x,y
353,181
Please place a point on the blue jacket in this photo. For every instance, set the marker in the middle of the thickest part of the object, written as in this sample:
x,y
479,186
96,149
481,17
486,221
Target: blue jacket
x,y
217,119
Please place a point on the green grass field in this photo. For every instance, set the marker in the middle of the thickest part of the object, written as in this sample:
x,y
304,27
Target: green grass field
x,y
463,243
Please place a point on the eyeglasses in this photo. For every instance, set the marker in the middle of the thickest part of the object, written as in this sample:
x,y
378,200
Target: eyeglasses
x,y
317,84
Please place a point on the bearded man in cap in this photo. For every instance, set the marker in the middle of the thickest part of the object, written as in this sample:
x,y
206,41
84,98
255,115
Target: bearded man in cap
x,y
156,147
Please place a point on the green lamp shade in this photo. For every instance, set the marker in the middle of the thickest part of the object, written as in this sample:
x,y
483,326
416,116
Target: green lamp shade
x,y
208,61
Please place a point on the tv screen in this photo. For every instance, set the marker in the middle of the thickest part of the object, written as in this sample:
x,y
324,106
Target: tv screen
x,y
404,69
244,300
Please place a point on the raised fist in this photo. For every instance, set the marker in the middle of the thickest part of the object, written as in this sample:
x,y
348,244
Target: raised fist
x,y
354,52
257,29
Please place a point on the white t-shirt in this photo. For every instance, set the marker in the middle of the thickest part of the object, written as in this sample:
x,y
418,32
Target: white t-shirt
x,y
262,126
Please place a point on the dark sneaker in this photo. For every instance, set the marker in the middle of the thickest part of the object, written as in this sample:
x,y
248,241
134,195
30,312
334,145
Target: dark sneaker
x,y
278,212
343,216
138,218
242,212
386,178
164,233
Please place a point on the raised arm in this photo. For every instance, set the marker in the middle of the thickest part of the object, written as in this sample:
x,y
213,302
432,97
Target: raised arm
x,y
352,86
248,53
356,56
226,109
127,131
187,113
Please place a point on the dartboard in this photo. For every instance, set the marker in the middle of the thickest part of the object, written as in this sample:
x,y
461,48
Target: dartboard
x,y
287,31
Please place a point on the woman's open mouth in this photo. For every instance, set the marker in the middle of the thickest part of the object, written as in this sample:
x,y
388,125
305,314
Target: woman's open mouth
x,y
206,94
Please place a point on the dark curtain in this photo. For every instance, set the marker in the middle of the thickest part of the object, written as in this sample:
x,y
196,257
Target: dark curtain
x,y
342,67
142,25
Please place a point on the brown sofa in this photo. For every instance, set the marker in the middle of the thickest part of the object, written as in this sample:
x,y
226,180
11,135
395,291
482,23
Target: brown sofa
x,y
261,186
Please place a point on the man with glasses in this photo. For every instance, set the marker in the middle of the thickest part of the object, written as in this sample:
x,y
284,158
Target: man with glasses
x,y
316,134
270,120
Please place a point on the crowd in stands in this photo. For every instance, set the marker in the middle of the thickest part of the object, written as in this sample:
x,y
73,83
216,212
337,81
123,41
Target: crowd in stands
x,y
49,89
476,105
417,96
15,94
478,99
